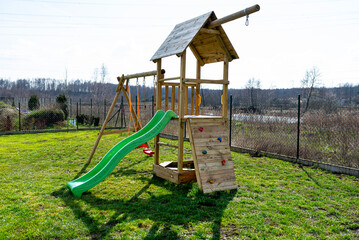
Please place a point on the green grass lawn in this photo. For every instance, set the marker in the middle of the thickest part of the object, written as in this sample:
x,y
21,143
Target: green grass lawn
x,y
274,199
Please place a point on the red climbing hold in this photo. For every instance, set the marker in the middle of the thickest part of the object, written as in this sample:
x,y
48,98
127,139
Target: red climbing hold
x,y
223,162
200,129
148,151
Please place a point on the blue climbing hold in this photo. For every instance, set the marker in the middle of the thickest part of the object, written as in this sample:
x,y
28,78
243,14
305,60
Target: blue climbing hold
x,y
219,139
204,152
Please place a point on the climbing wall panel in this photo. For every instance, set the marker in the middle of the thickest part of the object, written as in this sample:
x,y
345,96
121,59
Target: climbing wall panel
x,y
211,154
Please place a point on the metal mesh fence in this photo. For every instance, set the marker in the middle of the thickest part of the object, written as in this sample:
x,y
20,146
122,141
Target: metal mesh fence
x,y
323,131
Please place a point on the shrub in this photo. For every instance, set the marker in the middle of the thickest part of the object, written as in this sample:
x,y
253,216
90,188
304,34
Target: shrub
x,y
82,118
96,121
43,118
61,101
34,102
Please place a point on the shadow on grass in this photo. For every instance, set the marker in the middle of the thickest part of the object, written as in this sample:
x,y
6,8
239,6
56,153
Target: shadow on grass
x,y
183,206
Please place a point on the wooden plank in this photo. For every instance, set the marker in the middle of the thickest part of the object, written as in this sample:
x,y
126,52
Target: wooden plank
x,y
194,155
173,98
196,54
209,31
224,47
166,98
214,166
209,153
165,173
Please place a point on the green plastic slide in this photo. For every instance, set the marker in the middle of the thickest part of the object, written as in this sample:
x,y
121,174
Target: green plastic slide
x,y
119,151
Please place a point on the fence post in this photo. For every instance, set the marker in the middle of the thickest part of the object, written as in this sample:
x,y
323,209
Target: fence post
x,y
19,118
80,105
230,120
298,127
77,115
91,108
104,109
70,108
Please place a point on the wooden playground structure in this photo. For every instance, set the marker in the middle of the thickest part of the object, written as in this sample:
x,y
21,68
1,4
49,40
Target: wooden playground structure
x,y
212,165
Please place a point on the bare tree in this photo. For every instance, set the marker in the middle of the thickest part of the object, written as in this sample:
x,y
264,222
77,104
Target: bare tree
x,y
253,86
310,81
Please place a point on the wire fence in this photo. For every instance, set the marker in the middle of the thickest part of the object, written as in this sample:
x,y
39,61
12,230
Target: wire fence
x,y
320,132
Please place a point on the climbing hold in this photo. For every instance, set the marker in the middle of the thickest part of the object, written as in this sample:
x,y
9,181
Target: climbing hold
x,y
204,152
200,129
219,139
223,162
211,180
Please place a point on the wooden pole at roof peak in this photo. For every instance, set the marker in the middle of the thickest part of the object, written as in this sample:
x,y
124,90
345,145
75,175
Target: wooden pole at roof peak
x,y
234,16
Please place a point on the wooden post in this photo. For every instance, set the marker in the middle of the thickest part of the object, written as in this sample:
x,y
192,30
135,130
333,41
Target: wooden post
x,y
225,87
118,91
198,86
173,98
158,107
181,109
166,98
231,17
186,101
192,100
133,112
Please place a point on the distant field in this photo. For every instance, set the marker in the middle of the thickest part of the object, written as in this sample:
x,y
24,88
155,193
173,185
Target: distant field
x,y
274,199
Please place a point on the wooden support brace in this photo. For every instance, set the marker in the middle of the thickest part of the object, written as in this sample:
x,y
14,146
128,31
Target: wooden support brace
x,y
173,98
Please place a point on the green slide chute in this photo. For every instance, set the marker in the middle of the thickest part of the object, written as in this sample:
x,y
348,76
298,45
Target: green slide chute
x,y
119,151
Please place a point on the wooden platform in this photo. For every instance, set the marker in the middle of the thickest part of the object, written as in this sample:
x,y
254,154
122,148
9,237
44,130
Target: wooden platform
x,y
168,170
211,154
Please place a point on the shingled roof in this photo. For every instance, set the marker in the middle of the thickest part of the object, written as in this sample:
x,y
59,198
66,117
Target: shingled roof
x,y
207,45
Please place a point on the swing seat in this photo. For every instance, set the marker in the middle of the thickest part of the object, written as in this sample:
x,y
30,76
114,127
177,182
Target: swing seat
x,y
143,146
148,151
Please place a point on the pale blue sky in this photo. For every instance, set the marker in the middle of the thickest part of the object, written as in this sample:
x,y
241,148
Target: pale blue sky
x,y
42,38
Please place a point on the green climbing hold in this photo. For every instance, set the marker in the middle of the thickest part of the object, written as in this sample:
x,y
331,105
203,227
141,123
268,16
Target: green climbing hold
x,y
204,152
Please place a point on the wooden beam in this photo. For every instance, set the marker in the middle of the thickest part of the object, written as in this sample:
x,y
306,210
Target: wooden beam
x,y
158,107
169,79
186,101
236,15
181,109
223,46
133,112
166,98
198,86
209,31
173,98
144,74
192,100
225,87
107,118
207,81
196,54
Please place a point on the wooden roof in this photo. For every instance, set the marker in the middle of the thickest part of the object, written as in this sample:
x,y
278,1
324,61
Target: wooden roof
x,y
207,45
